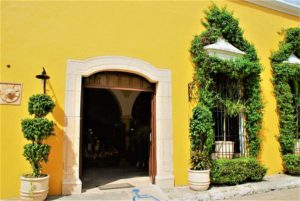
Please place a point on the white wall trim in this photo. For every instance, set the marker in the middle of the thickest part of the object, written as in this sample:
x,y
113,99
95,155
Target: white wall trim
x,y
76,69
223,50
279,5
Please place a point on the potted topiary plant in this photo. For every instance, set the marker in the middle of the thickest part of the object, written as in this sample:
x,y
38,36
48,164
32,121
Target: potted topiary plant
x,y
34,186
201,137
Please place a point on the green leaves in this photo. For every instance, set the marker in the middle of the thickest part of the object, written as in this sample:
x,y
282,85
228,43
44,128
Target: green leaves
x,y
202,137
233,108
40,105
201,132
292,37
286,78
290,44
200,160
37,129
291,164
36,154
224,22
236,171
219,22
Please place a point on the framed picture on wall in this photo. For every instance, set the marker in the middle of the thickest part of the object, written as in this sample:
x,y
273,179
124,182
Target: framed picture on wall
x,y
10,93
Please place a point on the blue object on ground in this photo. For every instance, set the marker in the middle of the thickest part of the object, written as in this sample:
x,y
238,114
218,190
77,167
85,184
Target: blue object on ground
x,y
137,196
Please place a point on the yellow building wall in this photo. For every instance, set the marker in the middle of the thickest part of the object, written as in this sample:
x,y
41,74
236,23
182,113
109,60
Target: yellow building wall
x,y
36,34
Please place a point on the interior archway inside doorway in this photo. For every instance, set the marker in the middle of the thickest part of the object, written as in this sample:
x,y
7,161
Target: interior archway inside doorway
x,y
115,136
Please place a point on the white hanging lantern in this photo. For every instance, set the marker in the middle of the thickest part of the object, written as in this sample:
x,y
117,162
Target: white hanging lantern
x,y
292,60
223,50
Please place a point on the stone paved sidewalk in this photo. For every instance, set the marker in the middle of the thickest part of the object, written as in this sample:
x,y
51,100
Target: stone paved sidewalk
x,y
154,193
270,183
291,194
151,192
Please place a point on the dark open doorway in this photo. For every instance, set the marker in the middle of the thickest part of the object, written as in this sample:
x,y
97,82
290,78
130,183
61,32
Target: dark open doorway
x,y
114,148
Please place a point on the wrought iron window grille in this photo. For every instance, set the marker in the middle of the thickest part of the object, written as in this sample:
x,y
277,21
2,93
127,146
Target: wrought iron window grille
x,y
228,128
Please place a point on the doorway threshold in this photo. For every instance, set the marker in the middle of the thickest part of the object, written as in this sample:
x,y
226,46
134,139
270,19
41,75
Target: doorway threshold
x,y
115,186
121,184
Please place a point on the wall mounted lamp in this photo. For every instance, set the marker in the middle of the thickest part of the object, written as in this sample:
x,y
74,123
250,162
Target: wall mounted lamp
x,y
44,77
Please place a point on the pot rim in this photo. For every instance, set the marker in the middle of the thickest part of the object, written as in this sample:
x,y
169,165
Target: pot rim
x,y
24,178
200,171
222,141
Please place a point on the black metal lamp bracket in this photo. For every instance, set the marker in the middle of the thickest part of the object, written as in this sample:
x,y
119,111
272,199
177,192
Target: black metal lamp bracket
x,y
43,77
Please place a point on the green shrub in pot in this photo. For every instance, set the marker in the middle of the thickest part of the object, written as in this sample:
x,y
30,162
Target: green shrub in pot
x,y
34,186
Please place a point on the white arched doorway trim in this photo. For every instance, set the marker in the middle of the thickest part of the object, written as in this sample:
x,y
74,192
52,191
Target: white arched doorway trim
x,y
76,69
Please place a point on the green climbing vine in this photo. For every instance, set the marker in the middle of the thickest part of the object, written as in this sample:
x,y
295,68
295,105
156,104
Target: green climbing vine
x,y
286,79
244,71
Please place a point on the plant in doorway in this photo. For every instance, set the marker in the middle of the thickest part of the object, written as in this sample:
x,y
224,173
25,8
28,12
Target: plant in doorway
x,y
34,186
201,137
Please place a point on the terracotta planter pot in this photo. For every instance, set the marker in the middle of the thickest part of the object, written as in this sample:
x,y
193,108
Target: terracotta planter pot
x,y
34,189
224,149
199,180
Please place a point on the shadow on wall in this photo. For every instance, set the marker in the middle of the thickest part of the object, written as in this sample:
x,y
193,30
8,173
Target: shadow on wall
x,y
54,167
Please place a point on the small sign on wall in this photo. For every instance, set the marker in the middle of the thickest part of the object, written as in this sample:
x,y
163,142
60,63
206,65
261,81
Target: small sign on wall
x,y
10,93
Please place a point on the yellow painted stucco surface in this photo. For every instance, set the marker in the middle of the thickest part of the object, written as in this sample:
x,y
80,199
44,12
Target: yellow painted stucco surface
x,y
36,34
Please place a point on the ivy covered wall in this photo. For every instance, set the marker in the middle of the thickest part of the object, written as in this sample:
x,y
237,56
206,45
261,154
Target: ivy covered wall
x,y
286,83
245,70
286,80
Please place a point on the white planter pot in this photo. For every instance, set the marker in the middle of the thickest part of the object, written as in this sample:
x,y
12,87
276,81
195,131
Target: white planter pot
x,y
199,180
297,147
224,149
34,189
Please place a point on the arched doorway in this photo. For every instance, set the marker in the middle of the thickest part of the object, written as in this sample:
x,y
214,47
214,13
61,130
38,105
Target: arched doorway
x,y
117,138
78,69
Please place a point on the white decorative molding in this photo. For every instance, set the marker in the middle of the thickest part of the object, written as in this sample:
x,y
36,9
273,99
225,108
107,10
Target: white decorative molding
x,y
292,59
76,69
223,50
279,5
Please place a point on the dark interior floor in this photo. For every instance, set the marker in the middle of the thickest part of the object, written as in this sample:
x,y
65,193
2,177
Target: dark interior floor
x,y
98,175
